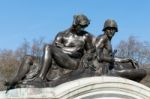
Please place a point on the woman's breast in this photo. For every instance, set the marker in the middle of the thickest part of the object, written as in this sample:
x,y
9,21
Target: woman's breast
x,y
74,42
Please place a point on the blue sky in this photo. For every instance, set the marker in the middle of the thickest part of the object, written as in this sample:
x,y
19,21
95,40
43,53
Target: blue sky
x,y
32,19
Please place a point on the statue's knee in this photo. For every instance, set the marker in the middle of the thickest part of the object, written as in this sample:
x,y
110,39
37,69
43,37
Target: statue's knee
x,y
47,47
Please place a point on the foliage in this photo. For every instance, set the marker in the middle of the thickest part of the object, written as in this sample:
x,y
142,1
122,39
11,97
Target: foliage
x,y
132,48
8,63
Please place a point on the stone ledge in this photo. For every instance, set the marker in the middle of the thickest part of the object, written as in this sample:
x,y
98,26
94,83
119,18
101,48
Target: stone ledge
x,y
86,88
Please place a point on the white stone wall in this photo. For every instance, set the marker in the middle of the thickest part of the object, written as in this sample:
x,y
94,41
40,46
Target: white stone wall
x,y
102,87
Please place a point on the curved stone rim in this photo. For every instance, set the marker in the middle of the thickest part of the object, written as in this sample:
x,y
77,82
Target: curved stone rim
x,y
103,83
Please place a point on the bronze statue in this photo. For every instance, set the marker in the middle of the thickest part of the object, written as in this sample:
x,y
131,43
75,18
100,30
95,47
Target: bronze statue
x,y
68,47
66,51
111,64
73,49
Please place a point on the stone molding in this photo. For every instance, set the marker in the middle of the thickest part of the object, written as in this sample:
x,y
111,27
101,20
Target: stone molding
x,y
103,87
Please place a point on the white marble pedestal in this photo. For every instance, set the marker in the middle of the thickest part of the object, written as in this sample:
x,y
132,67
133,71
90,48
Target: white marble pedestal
x,y
102,87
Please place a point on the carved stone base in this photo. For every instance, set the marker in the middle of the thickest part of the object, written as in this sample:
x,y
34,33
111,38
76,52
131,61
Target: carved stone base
x,y
103,87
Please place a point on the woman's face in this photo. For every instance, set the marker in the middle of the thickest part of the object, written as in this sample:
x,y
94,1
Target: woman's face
x,y
80,28
82,23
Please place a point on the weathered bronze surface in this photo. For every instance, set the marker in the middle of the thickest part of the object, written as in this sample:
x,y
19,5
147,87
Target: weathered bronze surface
x,y
74,54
